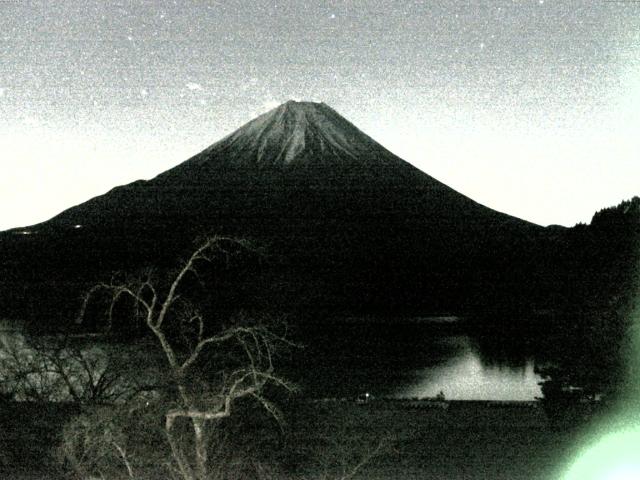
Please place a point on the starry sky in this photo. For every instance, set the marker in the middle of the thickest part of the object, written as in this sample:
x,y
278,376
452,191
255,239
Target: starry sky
x,y
531,107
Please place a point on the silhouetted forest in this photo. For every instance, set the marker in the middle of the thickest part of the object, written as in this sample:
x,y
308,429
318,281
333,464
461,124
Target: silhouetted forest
x,y
589,337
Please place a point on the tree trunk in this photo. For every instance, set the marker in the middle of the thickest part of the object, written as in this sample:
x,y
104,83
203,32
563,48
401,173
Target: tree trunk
x,y
202,460
183,465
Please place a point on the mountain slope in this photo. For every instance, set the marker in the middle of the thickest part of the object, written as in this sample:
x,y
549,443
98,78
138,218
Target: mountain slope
x,y
300,160
347,224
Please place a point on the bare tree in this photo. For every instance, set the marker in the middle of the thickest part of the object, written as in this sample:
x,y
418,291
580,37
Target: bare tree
x,y
58,369
336,453
238,356
95,443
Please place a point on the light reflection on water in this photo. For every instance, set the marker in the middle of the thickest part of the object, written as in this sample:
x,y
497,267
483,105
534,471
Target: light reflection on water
x,y
419,363
465,377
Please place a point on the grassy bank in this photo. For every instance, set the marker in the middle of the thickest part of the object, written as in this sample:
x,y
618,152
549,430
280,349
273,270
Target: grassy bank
x,y
467,440
420,440
29,434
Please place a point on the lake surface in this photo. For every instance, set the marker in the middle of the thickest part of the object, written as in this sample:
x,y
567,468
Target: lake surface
x,y
413,361
464,376
409,361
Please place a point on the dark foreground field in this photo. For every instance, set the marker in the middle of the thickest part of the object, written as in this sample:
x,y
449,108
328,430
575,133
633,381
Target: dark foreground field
x,y
468,440
410,440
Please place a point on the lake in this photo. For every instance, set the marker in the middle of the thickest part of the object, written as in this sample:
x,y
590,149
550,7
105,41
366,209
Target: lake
x,y
412,360
415,360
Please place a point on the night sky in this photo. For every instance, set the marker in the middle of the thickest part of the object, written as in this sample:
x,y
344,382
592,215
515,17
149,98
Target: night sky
x,y
531,107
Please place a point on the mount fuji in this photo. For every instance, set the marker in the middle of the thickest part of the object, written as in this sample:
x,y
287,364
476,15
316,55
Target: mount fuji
x,y
347,225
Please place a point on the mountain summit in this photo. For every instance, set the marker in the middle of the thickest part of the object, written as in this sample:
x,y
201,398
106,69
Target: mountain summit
x,y
294,137
295,133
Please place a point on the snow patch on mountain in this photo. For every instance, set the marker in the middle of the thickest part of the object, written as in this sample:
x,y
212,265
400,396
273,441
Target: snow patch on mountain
x,y
294,132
